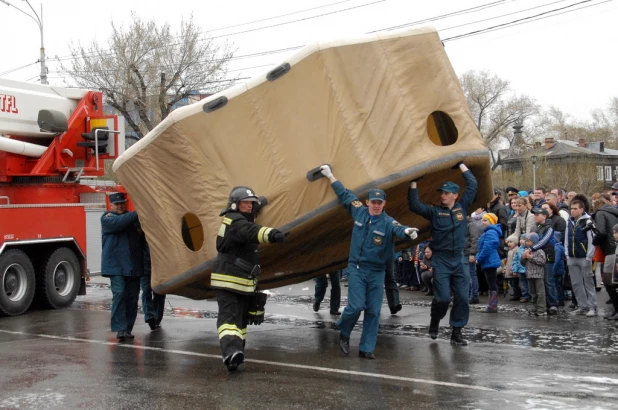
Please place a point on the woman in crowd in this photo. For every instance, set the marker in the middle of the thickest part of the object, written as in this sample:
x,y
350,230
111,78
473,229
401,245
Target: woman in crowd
x,y
525,219
605,217
427,270
554,219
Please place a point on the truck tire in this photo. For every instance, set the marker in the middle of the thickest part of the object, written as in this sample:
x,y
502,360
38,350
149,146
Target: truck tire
x,y
59,279
17,282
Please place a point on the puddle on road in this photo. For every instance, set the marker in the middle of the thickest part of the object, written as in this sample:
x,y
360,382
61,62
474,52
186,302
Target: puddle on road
x,y
603,339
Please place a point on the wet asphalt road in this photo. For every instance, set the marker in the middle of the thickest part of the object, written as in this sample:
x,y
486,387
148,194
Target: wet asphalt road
x,y
69,359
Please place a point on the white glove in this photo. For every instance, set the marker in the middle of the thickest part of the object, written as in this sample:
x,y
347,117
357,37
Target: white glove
x,y
411,232
326,171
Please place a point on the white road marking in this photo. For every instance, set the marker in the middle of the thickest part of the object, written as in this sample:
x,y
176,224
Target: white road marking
x,y
297,366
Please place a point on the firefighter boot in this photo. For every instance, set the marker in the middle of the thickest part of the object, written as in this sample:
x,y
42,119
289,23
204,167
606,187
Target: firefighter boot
x,y
234,360
457,338
434,328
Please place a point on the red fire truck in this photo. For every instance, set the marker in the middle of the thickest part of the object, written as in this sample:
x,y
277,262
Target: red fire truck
x,y
51,140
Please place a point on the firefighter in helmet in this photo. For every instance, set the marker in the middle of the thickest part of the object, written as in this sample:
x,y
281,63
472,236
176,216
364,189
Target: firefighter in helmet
x,y
235,272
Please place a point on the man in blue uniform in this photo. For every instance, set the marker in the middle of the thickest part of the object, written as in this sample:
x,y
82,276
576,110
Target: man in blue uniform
x,y
124,247
370,251
448,233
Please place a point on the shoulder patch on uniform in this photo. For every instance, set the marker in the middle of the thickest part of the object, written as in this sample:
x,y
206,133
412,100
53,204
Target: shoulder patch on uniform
x,y
356,204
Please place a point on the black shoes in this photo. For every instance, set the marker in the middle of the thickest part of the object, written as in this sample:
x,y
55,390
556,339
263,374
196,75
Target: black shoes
x,y
395,309
316,306
153,324
123,335
344,344
457,339
234,361
434,328
335,312
366,355
473,301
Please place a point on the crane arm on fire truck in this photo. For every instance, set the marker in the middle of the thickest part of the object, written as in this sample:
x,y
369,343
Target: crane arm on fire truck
x,y
55,131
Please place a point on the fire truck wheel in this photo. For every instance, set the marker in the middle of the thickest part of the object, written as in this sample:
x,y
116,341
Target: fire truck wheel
x,y
17,282
59,279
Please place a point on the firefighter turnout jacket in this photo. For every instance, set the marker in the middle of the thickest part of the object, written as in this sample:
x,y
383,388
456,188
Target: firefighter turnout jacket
x,y
236,266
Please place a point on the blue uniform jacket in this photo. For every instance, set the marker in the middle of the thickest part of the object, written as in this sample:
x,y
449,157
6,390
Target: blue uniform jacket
x,y
123,245
487,254
448,226
372,239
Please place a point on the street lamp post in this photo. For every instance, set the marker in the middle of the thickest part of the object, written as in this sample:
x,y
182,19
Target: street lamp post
x,y
39,21
533,158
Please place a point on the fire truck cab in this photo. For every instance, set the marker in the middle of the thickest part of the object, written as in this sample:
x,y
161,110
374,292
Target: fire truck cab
x,y
52,139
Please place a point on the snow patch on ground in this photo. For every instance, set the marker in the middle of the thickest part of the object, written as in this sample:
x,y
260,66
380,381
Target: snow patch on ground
x,y
33,401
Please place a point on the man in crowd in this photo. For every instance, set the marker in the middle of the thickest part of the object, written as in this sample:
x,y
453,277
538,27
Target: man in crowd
x,y
579,251
546,242
448,233
539,197
371,249
321,283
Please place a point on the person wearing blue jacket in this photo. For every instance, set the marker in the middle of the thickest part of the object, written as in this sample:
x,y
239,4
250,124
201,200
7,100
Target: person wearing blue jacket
x,y
488,257
123,262
371,249
559,267
448,233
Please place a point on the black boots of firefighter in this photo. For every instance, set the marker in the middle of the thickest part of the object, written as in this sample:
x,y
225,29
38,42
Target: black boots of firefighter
x,y
457,338
234,360
344,344
434,328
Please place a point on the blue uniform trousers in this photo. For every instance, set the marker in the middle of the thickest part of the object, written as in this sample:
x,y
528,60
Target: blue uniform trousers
x,y
153,304
365,292
321,283
449,276
125,294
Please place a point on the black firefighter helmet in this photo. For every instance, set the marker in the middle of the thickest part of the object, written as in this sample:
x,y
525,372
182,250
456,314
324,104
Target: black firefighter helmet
x,y
239,193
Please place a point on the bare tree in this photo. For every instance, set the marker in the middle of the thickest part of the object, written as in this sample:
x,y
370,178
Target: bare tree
x,y
495,109
145,70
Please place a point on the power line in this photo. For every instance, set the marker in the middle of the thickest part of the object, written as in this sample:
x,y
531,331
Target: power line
x,y
250,30
516,21
539,18
18,68
443,16
303,19
503,15
281,15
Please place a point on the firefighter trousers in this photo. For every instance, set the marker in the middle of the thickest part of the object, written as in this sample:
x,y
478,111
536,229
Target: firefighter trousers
x,y
232,321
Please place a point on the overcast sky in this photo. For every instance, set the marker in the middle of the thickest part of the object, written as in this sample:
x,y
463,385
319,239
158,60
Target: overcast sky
x,y
568,60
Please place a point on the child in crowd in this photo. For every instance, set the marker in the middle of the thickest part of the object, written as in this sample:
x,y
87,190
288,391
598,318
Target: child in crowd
x,y
488,257
509,273
534,261
520,269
